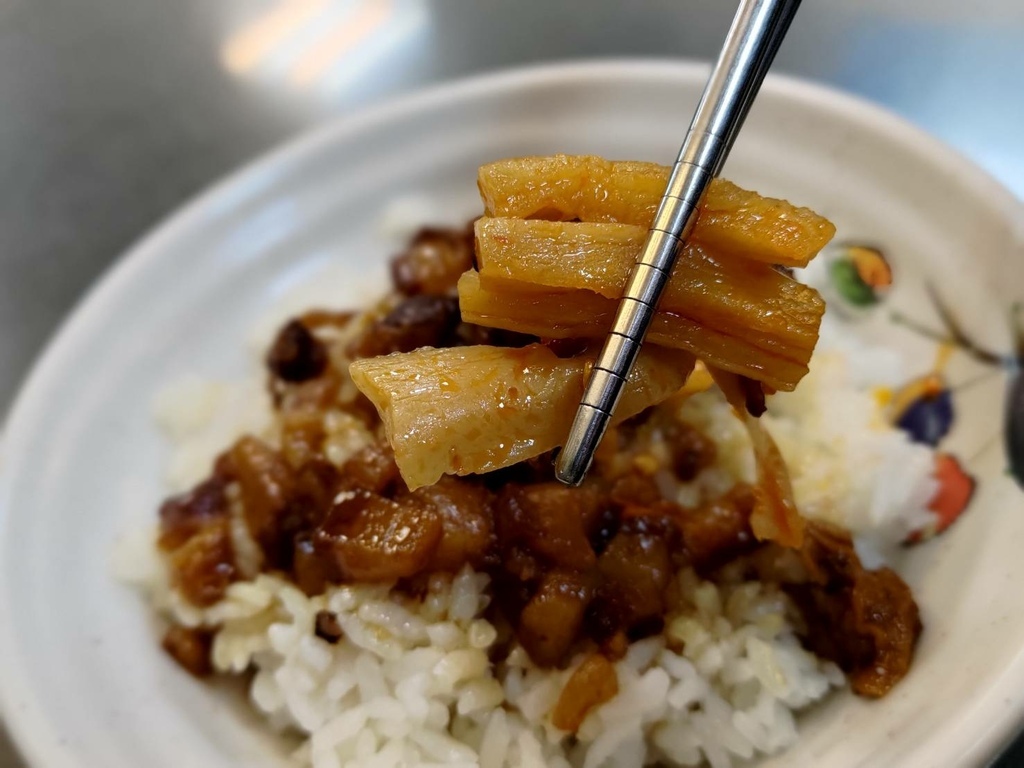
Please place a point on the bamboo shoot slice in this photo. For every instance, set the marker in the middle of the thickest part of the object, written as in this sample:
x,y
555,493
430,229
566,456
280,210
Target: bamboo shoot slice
x,y
600,257
775,516
732,222
470,410
568,313
735,298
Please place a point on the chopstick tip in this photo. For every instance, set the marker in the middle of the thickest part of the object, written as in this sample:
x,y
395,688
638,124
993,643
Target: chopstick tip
x,y
573,461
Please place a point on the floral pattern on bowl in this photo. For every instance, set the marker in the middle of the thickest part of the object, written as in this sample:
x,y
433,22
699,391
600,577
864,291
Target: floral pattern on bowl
x,y
859,278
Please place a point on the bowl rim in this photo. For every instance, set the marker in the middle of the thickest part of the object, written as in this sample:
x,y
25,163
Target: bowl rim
x,y
31,731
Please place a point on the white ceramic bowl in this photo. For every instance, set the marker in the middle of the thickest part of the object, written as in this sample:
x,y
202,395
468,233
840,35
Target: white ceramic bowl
x,y
82,679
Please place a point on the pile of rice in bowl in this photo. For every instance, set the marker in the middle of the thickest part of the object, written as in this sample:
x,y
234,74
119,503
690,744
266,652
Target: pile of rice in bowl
x,y
446,662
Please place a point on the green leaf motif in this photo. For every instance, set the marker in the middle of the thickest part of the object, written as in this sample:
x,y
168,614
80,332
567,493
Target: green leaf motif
x,y
848,284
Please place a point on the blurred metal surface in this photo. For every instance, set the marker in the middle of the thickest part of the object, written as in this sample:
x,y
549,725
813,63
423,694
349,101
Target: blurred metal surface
x,y
114,112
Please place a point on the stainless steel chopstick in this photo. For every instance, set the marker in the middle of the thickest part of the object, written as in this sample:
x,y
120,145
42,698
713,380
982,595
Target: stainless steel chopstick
x,y
755,35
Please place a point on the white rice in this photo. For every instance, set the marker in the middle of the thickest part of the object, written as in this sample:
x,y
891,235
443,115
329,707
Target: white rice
x,y
410,683
200,417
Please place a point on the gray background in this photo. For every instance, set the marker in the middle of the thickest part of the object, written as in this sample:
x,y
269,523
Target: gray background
x,y
114,112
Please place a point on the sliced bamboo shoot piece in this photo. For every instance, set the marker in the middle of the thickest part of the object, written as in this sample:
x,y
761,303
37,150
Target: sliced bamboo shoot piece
x,y
476,409
775,516
568,313
731,296
732,222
